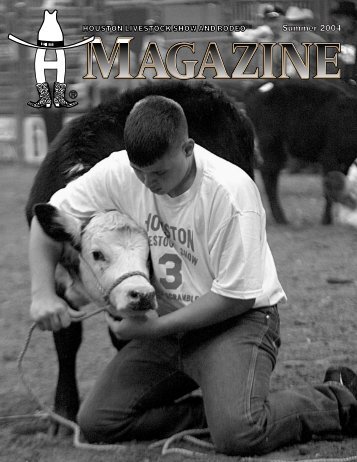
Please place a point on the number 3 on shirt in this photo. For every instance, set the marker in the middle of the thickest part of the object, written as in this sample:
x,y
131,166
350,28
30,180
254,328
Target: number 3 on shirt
x,y
173,266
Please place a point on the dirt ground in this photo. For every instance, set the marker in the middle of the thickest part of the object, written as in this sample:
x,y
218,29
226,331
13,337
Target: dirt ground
x,y
318,324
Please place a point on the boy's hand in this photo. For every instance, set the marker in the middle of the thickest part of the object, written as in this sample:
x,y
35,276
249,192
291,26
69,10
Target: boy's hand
x,y
51,312
145,326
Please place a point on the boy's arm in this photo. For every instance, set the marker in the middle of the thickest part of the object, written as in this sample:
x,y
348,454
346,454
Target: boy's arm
x,y
47,309
207,310
82,198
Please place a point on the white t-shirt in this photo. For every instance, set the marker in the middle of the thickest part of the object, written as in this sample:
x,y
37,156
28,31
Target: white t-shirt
x,y
210,238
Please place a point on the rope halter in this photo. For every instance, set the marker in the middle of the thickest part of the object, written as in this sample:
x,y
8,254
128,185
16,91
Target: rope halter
x,y
106,293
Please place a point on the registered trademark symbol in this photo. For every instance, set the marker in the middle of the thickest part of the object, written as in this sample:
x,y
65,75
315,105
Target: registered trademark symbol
x,y
73,94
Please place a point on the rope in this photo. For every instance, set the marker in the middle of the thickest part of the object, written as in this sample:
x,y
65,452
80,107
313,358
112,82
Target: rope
x,y
37,415
120,280
48,411
56,417
185,435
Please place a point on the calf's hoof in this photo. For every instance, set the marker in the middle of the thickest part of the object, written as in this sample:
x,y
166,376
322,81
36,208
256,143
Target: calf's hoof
x,y
58,430
326,220
280,219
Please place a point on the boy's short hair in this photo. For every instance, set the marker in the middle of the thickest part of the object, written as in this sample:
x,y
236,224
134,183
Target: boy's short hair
x,y
153,125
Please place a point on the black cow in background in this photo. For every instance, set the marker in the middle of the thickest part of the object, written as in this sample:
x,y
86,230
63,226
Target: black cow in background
x,y
214,122
311,120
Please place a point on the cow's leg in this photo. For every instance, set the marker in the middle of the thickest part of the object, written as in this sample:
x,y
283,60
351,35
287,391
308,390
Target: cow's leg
x,y
273,159
327,214
270,179
329,164
67,342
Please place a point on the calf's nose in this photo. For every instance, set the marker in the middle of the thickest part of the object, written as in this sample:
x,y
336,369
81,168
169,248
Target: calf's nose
x,y
134,295
140,301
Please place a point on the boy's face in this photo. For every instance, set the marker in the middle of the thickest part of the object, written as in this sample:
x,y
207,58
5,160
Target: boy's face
x,y
171,173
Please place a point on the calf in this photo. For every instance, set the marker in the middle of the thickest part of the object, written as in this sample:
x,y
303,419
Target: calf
x,y
105,261
213,121
310,120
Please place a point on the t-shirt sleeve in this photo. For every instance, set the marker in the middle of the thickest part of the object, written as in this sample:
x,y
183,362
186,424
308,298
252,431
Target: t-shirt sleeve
x,y
89,193
236,257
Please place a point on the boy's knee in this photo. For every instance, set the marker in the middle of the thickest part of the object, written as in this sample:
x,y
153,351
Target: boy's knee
x,y
239,438
96,428
89,424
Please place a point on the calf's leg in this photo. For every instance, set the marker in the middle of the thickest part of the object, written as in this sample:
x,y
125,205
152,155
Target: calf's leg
x,y
67,342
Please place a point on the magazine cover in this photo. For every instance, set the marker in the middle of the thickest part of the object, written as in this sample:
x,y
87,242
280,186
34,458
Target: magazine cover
x,y
179,214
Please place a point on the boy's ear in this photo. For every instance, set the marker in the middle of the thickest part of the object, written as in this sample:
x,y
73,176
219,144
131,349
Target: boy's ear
x,y
189,146
59,225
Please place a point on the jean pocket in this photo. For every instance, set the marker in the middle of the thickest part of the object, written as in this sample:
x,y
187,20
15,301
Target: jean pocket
x,y
271,341
273,321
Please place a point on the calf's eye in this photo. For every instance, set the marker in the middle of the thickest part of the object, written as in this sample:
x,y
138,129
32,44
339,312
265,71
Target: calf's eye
x,y
97,255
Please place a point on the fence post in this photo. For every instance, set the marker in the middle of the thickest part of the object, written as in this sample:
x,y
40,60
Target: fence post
x,y
19,17
20,99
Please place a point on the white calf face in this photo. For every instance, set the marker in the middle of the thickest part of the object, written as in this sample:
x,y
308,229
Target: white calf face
x,y
111,245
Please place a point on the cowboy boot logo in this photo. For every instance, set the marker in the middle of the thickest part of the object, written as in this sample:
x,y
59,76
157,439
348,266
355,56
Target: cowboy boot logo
x,y
50,37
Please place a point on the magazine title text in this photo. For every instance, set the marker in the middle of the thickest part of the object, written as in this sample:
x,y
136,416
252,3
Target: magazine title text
x,y
179,61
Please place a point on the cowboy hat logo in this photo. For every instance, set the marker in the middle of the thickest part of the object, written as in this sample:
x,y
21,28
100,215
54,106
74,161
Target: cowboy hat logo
x,y
50,37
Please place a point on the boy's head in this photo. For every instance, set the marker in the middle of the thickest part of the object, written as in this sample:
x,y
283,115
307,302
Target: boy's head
x,y
153,126
156,140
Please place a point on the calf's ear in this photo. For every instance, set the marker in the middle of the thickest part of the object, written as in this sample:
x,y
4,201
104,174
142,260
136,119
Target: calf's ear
x,y
59,225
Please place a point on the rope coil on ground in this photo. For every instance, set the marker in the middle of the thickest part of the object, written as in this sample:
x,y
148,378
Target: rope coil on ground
x,y
186,435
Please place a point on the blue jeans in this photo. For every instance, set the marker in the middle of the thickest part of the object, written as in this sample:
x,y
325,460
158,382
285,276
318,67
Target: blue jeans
x,y
135,396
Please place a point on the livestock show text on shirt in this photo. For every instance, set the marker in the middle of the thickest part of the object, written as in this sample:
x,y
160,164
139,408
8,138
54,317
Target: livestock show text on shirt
x,y
179,235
